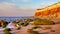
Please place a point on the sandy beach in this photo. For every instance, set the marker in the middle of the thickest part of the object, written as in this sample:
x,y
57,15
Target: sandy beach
x,y
24,30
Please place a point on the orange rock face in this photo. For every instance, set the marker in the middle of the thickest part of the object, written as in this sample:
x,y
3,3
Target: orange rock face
x,y
45,12
48,10
54,10
37,14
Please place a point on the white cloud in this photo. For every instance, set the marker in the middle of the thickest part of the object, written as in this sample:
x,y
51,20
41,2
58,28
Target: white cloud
x,y
39,5
13,0
25,0
8,9
44,4
20,0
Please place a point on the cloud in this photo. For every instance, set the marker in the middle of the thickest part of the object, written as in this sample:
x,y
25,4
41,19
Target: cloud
x,y
8,9
13,0
44,4
25,0
39,5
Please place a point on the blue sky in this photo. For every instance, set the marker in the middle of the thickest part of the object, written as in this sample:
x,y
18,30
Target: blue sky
x,y
23,7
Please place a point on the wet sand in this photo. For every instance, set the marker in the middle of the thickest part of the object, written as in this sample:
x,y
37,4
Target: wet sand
x,y
24,29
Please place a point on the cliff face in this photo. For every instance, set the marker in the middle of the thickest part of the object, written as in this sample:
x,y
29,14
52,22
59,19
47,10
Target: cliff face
x,y
50,12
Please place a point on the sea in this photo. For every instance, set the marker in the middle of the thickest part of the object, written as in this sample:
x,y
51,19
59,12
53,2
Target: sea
x,y
10,18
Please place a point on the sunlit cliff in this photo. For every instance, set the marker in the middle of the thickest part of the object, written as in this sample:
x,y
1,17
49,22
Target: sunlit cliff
x,y
52,11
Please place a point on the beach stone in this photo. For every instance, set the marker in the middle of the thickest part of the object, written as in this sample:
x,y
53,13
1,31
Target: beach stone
x,y
52,30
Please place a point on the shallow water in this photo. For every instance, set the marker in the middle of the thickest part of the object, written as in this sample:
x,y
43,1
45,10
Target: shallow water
x,y
10,25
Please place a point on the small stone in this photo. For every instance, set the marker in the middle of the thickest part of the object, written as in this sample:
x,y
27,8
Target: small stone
x,y
52,30
45,33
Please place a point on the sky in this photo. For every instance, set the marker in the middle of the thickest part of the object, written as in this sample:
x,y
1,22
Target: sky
x,y
23,7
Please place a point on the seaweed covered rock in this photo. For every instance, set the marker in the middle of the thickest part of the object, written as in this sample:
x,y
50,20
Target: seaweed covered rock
x,y
7,31
3,23
38,21
33,32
